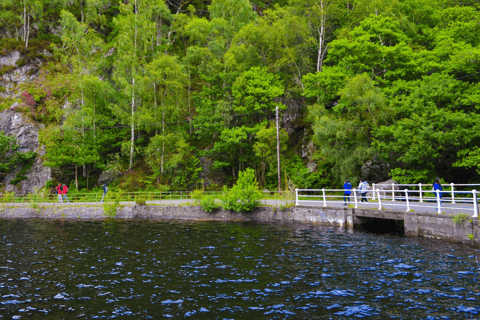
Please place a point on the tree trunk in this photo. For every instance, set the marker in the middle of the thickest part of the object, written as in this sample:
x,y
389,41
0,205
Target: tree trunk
x,y
155,106
163,132
132,141
76,177
24,19
28,31
321,39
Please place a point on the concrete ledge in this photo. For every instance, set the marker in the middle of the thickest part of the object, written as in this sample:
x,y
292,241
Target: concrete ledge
x,y
428,225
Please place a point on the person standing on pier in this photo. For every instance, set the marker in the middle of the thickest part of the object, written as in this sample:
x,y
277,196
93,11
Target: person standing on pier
x,y
437,185
347,186
363,189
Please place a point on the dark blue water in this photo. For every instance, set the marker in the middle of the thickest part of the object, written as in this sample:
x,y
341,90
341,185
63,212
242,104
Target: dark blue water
x,y
211,270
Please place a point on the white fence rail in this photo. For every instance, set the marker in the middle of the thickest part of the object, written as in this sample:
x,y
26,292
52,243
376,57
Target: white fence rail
x,y
406,199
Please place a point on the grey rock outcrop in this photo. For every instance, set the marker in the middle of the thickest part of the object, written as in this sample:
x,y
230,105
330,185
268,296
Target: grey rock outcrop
x,y
386,185
26,133
108,176
10,80
10,59
375,170
210,174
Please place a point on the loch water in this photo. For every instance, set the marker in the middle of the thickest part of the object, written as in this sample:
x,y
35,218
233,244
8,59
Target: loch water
x,y
227,270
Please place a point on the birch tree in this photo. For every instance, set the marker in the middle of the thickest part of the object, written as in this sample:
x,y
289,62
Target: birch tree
x,y
132,46
168,81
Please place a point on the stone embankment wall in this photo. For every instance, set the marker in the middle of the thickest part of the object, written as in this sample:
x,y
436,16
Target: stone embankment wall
x,y
428,225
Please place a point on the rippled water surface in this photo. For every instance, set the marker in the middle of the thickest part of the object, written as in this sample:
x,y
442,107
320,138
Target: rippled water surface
x,y
213,270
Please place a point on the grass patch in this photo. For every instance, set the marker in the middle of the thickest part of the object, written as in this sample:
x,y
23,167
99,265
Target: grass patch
x,y
460,218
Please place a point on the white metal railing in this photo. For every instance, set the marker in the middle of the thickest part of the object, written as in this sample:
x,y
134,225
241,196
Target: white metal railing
x,y
448,188
406,199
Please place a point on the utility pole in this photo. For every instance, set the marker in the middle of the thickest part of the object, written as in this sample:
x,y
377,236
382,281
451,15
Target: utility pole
x,y
278,155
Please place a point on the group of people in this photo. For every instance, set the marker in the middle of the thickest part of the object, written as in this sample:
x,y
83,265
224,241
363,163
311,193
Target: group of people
x,y
62,192
362,189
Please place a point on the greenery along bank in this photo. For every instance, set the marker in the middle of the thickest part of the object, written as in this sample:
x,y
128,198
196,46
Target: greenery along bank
x,y
157,90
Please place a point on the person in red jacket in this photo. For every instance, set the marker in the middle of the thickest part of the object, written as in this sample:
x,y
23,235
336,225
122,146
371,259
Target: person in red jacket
x,y
65,190
59,192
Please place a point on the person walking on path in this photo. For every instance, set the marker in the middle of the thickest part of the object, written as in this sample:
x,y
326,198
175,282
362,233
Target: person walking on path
x,y
105,190
437,185
59,192
347,186
65,190
363,189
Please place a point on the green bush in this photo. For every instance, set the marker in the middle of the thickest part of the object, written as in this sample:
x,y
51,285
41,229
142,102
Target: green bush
x,y
141,201
20,63
460,218
197,195
208,204
8,197
110,208
245,195
49,184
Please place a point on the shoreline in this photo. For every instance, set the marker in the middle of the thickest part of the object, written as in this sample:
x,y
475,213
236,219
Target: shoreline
x,y
427,225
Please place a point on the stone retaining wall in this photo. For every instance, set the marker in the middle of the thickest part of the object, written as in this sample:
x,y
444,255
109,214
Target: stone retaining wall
x,y
415,224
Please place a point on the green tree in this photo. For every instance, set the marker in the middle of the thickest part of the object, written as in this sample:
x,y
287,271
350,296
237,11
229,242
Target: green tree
x,y
132,44
345,132
265,149
166,96
245,195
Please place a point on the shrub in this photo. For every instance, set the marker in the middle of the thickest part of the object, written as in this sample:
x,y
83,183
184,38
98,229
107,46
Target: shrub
x,y
49,184
197,195
110,208
141,201
208,204
460,218
8,197
245,195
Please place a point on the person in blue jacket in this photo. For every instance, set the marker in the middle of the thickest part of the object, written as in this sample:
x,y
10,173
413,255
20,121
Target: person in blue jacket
x,y
437,185
347,186
105,190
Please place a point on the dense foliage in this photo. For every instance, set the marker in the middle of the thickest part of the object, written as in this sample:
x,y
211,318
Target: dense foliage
x,y
151,87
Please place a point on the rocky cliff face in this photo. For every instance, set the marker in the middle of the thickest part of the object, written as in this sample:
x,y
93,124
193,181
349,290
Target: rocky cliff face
x,y
15,124
14,73
26,133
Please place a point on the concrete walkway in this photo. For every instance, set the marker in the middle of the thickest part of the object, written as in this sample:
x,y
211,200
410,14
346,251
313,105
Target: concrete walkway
x,y
428,207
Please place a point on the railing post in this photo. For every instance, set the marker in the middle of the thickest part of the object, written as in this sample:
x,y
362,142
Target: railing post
x,y
438,202
373,191
475,206
324,198
379,200
393,192
421,193
453,193
296,196
406,199
355,197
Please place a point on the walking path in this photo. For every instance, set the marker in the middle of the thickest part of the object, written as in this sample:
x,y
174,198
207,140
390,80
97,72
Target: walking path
x,y
431,207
